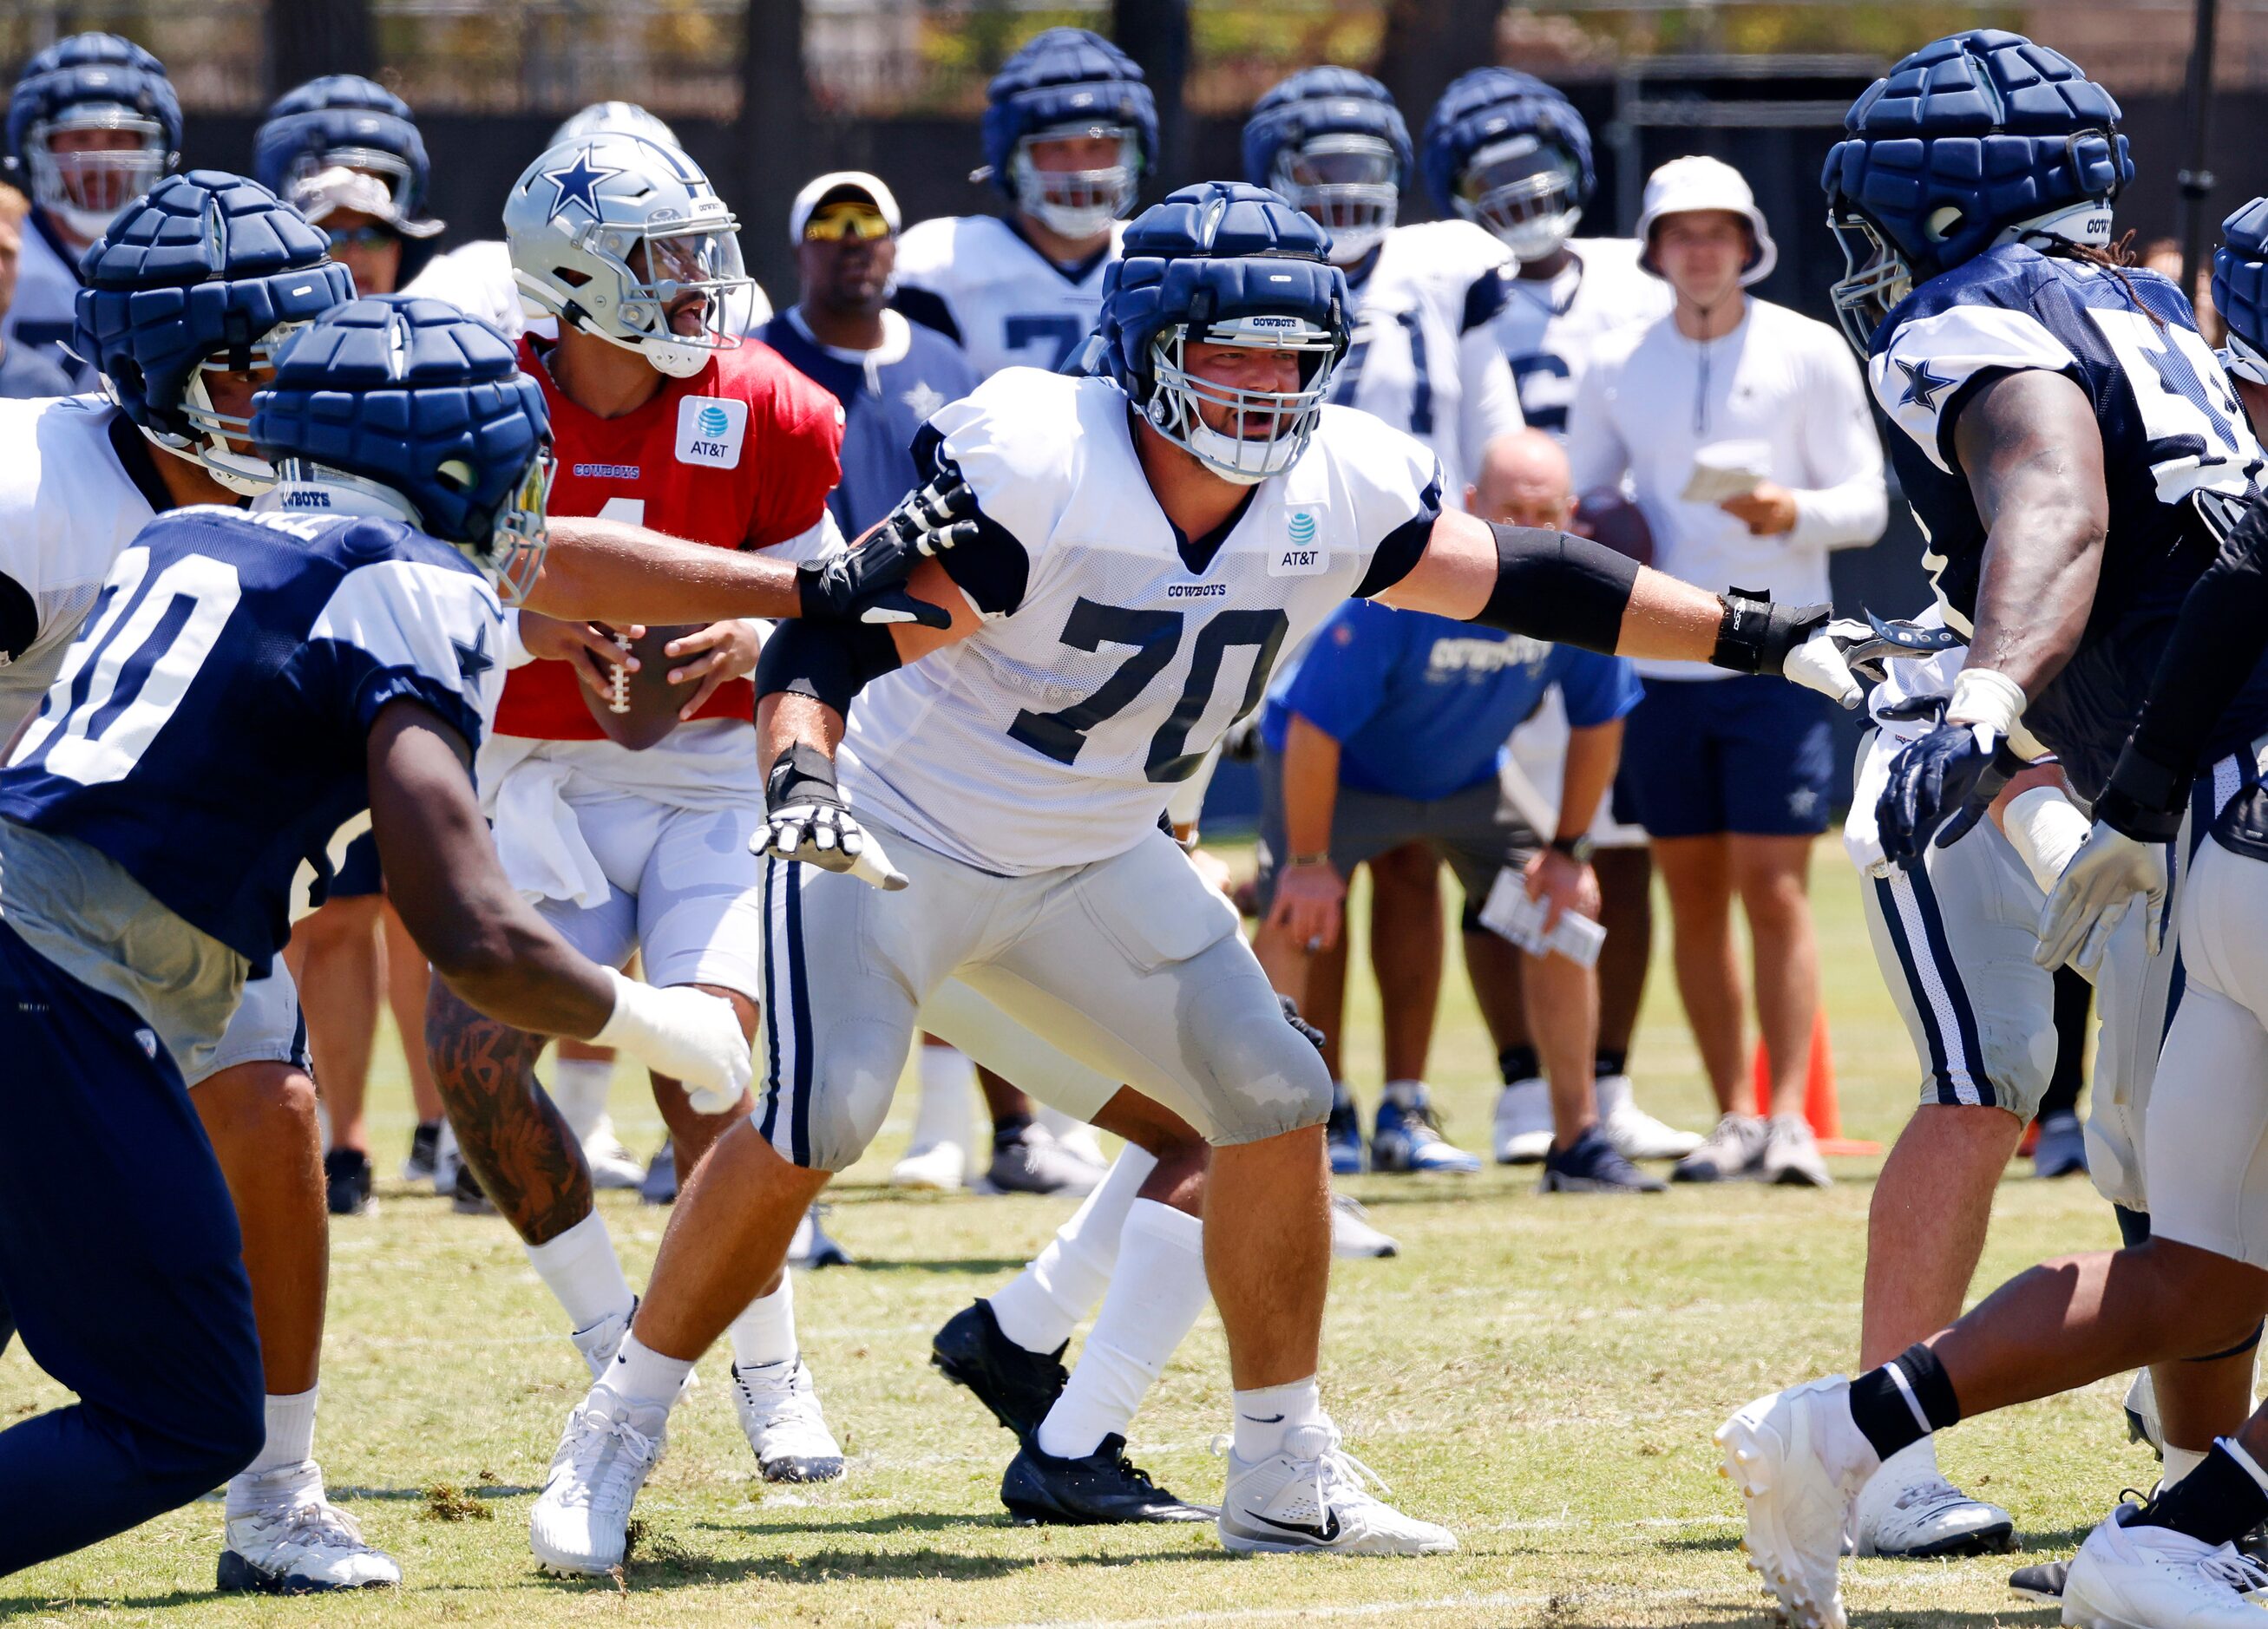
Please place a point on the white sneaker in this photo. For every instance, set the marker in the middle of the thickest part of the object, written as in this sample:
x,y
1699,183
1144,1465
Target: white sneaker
x,y
582,1517
294,1541
1523,1123
1926,1519
779,1416
1797,1483
1634,1134
1310,1496
601,1340
612,1165
1353,1237
934,1168
1791,1157
2128,1577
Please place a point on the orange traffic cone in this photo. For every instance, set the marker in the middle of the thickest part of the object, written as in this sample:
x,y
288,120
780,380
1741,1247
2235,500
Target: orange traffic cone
x,y
1819,1104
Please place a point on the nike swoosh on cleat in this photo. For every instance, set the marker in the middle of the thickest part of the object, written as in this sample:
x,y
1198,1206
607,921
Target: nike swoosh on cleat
x,y
1326,1534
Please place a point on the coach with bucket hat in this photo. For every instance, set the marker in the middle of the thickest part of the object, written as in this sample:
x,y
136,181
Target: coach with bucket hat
x,y
1742,429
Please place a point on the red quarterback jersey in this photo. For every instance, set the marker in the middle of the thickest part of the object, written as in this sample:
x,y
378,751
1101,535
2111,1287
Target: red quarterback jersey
x,y
741,455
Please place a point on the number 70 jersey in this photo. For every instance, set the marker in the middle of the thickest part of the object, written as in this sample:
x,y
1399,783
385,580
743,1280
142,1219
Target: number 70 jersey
x,y
1114,652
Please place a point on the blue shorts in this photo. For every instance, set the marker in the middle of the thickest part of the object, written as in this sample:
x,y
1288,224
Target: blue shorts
x,y
359,874
1753,756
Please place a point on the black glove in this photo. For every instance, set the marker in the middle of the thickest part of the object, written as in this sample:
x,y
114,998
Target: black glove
x,y
866,582
1308,1032
1940,785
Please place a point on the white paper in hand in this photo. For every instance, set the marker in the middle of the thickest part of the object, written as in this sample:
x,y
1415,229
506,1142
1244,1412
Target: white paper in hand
x,y
1726,469
1510,914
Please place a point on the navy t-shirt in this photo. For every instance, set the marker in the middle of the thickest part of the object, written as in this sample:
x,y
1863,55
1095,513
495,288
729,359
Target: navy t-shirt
x,y
1421,705
887,394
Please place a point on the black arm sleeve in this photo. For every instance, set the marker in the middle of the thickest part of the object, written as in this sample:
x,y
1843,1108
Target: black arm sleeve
x,y
1566,589
829,661
2216,643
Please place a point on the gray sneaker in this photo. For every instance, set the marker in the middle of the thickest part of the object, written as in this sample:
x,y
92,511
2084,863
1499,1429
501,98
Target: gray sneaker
x,y
1792,1155
1733,1152
1033,1162
2061,1150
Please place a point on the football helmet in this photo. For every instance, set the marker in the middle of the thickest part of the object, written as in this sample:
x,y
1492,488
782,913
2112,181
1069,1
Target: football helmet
x,y
1224,264
1068,83
345,122
210,271
2240,289
612,233
1507,151
1332,140
92,82
414,402
615,118
1975,140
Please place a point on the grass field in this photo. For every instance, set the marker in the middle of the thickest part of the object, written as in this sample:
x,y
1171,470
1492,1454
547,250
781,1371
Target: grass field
x,y
1542,1375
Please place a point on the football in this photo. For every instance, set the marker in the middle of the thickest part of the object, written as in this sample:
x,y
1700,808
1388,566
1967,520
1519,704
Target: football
x,y
640,706
1616,522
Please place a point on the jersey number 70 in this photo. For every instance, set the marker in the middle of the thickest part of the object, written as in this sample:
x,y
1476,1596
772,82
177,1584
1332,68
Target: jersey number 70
x,y
1155,637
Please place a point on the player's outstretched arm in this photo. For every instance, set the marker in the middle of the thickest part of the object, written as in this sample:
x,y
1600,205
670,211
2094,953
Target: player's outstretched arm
x,y
497,955
611,571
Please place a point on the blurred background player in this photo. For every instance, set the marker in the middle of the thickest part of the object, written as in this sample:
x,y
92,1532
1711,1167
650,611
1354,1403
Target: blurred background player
x,y
24,373
1391,730
1332,142
1743,430
92,125
347,153
1070,130
1506,151
662,419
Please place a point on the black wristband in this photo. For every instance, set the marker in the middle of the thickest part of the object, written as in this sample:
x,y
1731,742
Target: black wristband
x,y
1755,636
2144,800
801,774
1578,849
1565,590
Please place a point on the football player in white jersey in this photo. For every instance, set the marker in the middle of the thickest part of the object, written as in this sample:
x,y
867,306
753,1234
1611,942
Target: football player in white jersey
x,y
92,125
1508,152
1070,130
1017,763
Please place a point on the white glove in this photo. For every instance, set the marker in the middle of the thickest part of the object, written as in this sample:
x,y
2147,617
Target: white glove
x,y
1822,661
2091,898
826,835
687,1034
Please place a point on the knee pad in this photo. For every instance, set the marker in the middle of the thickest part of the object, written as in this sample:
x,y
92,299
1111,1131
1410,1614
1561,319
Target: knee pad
x,y
826,1123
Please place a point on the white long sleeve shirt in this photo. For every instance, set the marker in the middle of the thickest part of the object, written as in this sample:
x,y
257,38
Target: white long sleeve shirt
x,y
1781,395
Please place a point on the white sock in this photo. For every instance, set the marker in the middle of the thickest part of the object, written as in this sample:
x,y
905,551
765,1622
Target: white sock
x,y
580,1086
290,1432
1154,1298
1405,1094
2179,1463
580,1267
765,1333
1040,1307
946,1108
643,1378
1264,1416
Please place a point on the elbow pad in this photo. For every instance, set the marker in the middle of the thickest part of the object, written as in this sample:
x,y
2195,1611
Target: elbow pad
x,y
1566,589
829,661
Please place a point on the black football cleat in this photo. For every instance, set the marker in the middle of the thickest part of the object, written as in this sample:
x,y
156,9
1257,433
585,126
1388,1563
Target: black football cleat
x,y
1018,1386
1105,1487
2042,1582
346,1181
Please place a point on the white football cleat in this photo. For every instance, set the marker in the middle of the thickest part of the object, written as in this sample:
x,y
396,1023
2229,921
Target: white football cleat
x,y
601,1340
779,1416
1634,1134
295,1541
612,1165
1778,1454
1310,1496
581,1523
1926,1519
1523,1124
2127,1577
1353,1237
934,1168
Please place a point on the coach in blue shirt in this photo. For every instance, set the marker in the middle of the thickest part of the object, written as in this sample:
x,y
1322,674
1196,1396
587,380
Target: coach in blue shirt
x,y
889,374
1389,731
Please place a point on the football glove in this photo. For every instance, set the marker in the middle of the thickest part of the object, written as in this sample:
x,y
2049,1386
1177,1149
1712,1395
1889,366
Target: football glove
x,y
1809,645
864,583
2109,871
1939,786
1308,1032
806,820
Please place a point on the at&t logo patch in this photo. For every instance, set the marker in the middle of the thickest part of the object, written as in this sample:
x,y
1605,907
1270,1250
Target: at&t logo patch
x,y
1301,553
709,430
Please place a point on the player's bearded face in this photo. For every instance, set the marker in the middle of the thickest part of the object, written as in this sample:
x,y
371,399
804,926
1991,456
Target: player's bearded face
x,y
231,391
678,259
1241,368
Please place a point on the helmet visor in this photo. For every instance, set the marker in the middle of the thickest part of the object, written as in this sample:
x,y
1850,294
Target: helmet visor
x,y
1347,185
1076,202
93,160
1521,189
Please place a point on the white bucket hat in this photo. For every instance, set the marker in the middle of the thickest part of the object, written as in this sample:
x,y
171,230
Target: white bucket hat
x,y
1690,185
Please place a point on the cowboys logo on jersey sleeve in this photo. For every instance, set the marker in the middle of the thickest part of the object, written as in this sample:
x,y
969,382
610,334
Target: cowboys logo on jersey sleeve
x,y
1423,356
1115,651
976,280
208,728
2178,455
1551,327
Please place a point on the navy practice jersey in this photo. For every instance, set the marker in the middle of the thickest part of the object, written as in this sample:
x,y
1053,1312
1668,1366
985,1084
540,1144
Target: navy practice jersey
x,y
208,729
2177,452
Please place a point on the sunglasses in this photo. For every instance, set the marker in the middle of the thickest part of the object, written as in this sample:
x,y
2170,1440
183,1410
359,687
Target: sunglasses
x,y
845,222
370,235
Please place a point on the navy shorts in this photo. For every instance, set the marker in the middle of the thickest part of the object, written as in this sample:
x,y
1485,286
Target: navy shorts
x,y
359,874
1752,755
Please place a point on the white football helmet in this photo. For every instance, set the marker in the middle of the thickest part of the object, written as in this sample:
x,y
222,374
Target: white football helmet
x,y
621,237
615,119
